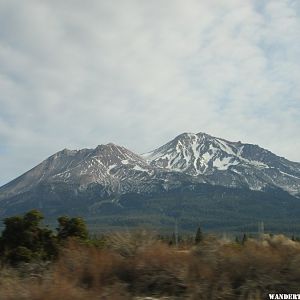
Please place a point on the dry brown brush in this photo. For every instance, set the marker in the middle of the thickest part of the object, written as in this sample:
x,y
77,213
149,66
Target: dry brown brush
x,y
138,265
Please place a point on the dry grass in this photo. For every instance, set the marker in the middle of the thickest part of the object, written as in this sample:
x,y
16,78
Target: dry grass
x,y
137,265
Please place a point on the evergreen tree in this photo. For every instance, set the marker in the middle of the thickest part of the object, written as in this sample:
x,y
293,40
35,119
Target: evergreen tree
x,y
71,227
172,240
23,239
199,236
245,238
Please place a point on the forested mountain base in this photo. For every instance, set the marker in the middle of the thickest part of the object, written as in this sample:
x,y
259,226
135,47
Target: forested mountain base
x,y
216,208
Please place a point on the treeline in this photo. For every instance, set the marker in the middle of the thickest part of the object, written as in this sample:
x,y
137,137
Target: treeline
x,y
26,239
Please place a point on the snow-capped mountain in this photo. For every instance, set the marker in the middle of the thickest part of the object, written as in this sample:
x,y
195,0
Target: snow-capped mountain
x,y
226,163
115,168
108,165
189,158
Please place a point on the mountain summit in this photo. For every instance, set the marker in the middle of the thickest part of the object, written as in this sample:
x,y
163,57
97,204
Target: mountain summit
x,y
107,165
226,163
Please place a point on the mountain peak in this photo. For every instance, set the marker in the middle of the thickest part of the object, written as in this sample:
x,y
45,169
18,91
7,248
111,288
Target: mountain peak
x,y
192,135
223,161
67,151
192,153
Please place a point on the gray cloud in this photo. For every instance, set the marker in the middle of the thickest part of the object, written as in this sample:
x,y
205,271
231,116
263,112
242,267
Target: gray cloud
x,y
76,74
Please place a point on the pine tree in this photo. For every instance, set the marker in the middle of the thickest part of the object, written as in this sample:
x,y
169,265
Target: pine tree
x,y
24,239
245,238
71,227
199,236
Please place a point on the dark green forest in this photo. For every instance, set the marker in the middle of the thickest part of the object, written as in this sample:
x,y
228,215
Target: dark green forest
x,y
215,208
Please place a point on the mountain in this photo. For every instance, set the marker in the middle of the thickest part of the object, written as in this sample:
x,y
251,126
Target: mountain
x,y
108,165
205,173
226,163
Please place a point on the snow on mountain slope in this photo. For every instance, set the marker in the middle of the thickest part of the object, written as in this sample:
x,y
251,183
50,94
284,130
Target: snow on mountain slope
x,y
226,163
115,167
187,159
105,163
199,154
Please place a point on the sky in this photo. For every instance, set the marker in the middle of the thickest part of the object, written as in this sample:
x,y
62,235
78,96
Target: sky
x,y
76,74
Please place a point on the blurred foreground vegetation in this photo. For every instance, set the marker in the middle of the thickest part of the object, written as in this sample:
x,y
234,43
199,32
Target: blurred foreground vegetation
x,y
39,263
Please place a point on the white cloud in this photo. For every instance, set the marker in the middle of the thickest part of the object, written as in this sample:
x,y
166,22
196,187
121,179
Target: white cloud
x,y
76,74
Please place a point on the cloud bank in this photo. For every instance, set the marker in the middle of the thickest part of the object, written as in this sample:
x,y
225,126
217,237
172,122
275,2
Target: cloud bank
x,y
75,74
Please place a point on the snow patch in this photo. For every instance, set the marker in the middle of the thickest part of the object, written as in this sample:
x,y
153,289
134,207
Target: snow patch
x,y
139,168
290,175
110,168
224,164
225,147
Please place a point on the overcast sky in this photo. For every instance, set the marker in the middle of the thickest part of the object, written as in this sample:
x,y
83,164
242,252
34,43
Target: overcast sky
x,y
75,74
